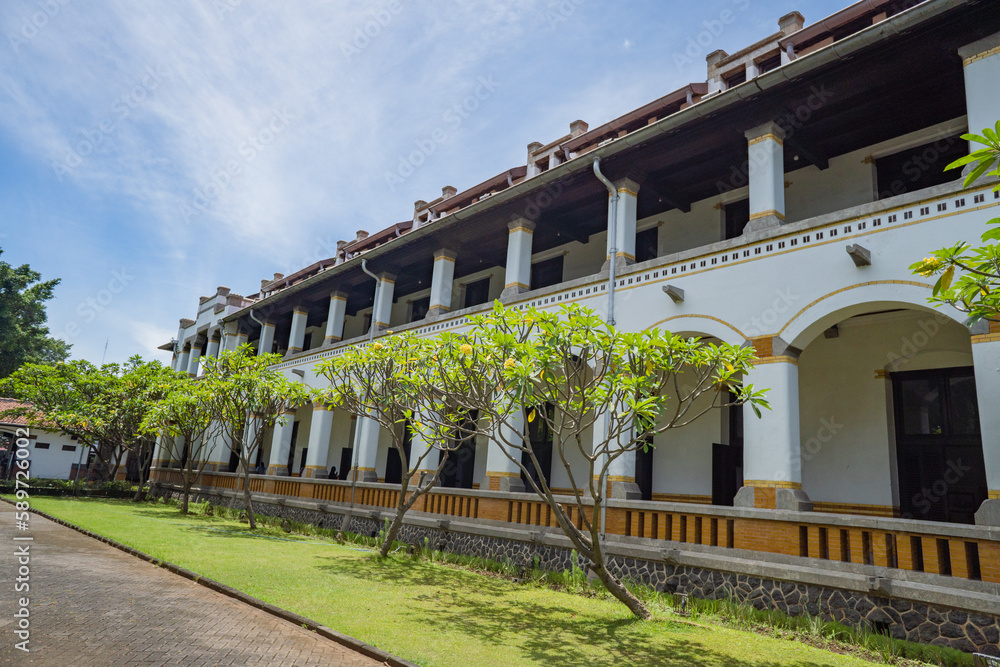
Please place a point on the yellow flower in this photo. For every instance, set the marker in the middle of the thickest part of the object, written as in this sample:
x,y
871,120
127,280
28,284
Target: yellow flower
x,y
510,363
376,346
465,349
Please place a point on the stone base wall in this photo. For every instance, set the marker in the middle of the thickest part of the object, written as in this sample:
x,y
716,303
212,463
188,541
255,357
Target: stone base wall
x,y
903,619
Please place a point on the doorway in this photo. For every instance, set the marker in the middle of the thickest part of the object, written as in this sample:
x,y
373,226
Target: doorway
x,y
393,464
727,459
461,466
939,449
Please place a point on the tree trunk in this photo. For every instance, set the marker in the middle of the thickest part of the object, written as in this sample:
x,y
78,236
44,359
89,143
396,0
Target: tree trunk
x,y
390,537
249,502
187,492
616,588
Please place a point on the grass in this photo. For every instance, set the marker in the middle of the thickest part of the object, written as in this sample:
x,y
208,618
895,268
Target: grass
x,y
434,613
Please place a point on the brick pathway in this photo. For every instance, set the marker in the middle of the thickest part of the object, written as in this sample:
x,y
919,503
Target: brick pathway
x,y
92,604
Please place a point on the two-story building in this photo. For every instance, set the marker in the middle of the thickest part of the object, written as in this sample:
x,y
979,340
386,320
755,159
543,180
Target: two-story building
x,y
778,204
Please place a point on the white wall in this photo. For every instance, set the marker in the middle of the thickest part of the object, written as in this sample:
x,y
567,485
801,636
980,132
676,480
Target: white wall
x,y
55,462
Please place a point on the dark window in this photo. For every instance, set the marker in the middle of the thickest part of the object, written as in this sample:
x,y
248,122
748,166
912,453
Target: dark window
x,y
307,341
939,451
291,448
547,273
646,244
477,293
69,448
918,168
458,471
737,217
736,78
367,322
394,465
768,64
541,444
41,445
419,308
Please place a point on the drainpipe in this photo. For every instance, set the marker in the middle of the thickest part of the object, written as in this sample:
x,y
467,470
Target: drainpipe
x,y
613,252
357,424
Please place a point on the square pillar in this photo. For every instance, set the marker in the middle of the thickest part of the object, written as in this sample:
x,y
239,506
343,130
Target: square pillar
x,y
213,346
502,474
367,444
182,359
981,68
517,280
625,220
986,364
319,442
420,446
772,454
240,338
297,335
281,444
193,359
229,331
266,341
382,311
335,318
621,471
218,450
441,282
767,176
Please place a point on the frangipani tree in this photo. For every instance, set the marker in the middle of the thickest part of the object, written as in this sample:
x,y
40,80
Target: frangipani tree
x,y
246,397
183,422
381,382
600,382
969,277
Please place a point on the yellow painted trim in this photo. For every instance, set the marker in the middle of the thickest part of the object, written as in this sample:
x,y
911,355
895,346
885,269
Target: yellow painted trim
x,y
986,338
979,56
764,214
294,350
881,374
994,495
298,311
362,469
516,285
332,339
850,287
322,406
782,359
388,280
520,229
707,317
772,484
315,467
337,297
269,324
621,254
765,137
444,258
626,191
502,474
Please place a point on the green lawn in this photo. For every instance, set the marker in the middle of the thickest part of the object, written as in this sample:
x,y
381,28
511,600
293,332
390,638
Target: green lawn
x,y
425,612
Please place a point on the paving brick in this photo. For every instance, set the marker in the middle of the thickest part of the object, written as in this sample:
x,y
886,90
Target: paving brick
x,y
92,605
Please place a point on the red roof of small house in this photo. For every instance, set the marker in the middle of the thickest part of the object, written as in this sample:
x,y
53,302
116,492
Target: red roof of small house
x,y
8,404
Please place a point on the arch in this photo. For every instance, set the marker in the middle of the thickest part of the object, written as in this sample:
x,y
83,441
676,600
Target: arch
x,y
703,325
846,302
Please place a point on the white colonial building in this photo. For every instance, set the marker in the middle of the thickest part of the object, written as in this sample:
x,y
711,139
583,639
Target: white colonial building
x,y
778,204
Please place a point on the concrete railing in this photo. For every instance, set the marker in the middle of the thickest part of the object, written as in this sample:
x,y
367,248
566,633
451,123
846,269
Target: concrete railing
x,y
952,550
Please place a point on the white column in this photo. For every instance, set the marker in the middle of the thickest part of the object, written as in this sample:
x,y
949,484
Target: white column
x,y
625,220
767,176
249,433
502,474
193,359
266,341
441,282
218,451
986,362
319,442
518,271
772,455
281,445
213,347
419,446
621,472
335,318
229,331
182,359
297,335
240,338
981,67
382,311
367,444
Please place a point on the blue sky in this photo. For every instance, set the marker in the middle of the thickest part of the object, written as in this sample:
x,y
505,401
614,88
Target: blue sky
x,y
151,151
